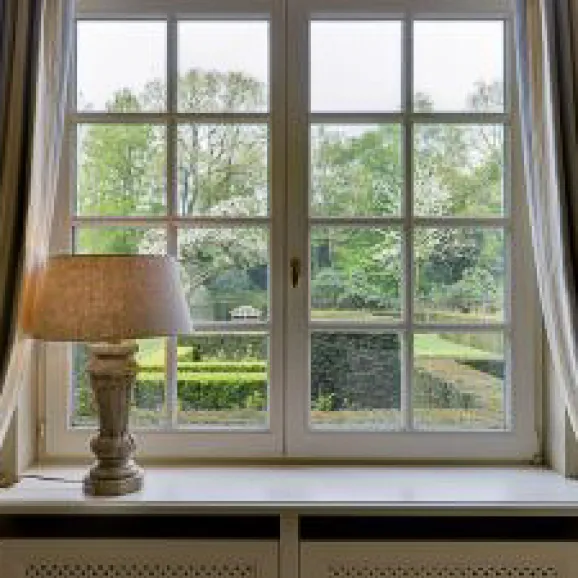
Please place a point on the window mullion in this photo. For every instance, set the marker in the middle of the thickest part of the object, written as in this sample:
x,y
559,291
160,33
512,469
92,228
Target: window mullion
x,y
407,351
172,205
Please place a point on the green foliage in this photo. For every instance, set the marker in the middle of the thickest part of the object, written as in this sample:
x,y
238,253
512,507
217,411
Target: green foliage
x,y
211,367
121,170
494,367
221,391
355,370
433,391
462,346
83,402
355,171
324,402
212,91
488,343
216,347
149,391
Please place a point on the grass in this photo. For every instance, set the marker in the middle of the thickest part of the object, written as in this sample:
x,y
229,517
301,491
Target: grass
x,y
430,348
361,420
424,419
425,344
152,352
354,315
432,345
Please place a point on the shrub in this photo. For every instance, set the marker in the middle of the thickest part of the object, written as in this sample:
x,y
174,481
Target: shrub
x,y
211,367
355,370
149,393
205,391
237,347
494,367
484,341
432,391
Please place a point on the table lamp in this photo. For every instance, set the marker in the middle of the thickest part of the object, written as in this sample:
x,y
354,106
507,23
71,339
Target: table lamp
x,y
109,301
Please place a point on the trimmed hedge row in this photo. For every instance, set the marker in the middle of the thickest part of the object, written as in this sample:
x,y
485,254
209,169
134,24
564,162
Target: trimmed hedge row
x,y
432,391
211,367
207,378
234,347
355,371
205,391
350,371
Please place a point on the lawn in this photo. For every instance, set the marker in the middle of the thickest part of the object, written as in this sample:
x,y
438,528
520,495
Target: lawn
x,y
152,352
445,362
432,345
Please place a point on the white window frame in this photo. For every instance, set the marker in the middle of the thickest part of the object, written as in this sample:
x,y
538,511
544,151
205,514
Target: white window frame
x,y
520,440
180,443
289,434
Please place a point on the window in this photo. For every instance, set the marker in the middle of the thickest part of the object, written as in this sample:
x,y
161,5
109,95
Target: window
x,y
339,185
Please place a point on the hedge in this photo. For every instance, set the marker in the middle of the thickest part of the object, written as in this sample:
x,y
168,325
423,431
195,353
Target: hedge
x,y
350,371
205,391
234,346
355,370
431,391
211,367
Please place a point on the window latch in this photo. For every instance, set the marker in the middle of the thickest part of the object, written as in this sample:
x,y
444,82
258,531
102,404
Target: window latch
x,y
295,265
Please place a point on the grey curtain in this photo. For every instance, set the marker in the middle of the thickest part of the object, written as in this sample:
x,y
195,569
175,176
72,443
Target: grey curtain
x,y
19,49
30,186
547,64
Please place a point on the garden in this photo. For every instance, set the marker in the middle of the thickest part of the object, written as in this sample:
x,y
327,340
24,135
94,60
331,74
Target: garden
x,y
357,272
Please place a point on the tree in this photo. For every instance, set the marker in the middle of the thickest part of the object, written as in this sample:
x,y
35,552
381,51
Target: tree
x,y
458,171
355,171
219,162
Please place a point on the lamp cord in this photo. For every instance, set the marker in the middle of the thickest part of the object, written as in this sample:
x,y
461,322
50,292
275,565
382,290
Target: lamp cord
x,y
50,479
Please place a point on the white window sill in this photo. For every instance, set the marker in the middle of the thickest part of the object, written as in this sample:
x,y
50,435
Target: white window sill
x,y
271,489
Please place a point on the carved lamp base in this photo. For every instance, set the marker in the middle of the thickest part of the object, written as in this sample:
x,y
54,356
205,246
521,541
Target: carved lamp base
x,y
112,369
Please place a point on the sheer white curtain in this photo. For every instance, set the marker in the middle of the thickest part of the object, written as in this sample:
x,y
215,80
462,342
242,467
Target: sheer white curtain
x,y
547,58
53,69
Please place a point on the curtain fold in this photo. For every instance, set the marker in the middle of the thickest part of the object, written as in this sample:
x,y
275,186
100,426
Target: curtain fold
x,y
19,34
31,139
547,65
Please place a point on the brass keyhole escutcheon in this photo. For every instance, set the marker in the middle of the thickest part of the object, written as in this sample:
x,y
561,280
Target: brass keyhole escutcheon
x,y
295,265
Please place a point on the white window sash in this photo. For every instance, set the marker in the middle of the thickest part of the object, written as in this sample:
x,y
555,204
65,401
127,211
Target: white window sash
x,y
289,374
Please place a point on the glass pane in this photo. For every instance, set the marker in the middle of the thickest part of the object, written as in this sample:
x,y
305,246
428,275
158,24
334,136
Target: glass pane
x,y
121,66
356,274
459,275
120,240
148,397
121,170
222,170
223,66
355,66
459,381
148,408
459,66
459,170
355,381
356,170
225,273
223,380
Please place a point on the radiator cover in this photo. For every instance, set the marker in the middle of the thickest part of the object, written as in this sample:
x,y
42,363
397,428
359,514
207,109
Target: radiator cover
x,y
138,559
439,560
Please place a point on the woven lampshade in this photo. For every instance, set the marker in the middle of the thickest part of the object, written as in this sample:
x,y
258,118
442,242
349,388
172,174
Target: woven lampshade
x,y
99,298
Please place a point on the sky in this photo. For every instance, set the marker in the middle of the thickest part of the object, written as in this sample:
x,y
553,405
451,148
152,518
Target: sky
x,y
355,66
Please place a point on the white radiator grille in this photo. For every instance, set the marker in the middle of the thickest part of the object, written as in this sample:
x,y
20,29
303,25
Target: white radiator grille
x,y
139,559
444,571
390,559
78,570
